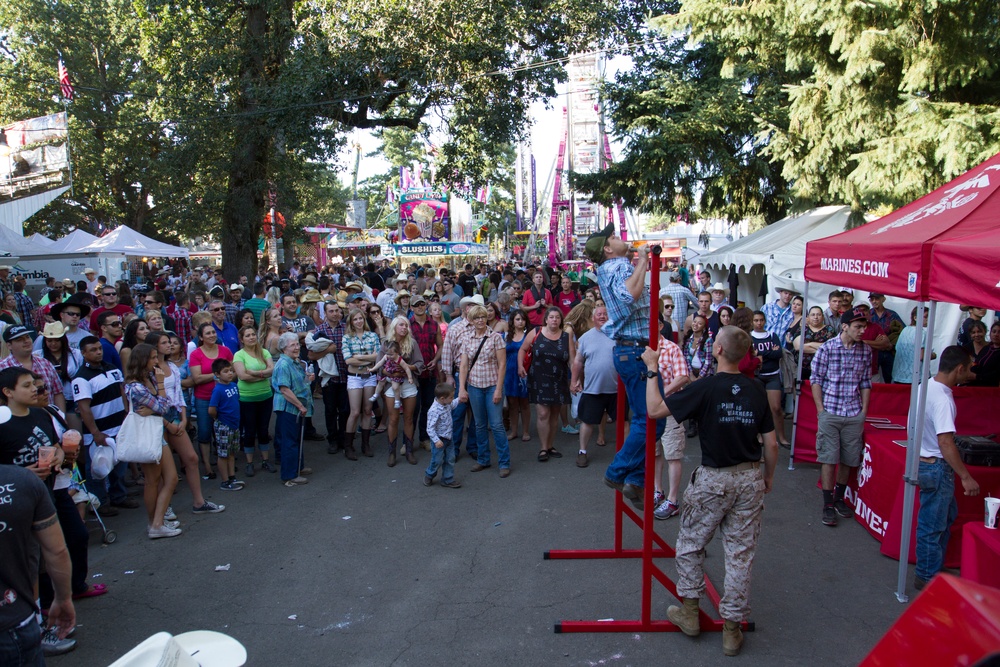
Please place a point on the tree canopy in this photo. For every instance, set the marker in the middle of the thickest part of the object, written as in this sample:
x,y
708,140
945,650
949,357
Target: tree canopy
x,y
751,107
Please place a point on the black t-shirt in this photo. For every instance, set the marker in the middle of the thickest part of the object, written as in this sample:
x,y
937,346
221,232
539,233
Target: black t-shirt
x,y
731,409
374,281
20,437
467,283
24,501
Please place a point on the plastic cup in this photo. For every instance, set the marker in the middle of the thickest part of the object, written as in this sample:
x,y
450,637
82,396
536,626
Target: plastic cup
x,y
992,507
46,457
71,441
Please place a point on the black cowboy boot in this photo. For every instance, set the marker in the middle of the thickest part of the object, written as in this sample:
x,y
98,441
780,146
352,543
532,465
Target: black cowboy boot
x,y
392,453
366,447
410,458
349,447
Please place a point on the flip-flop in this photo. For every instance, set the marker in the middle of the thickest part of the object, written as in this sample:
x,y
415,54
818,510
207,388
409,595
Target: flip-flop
x,y
525,438
381,430
601,444
92,591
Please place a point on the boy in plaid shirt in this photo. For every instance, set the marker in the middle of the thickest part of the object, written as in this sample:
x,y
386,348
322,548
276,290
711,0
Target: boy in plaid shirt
x,y
439,423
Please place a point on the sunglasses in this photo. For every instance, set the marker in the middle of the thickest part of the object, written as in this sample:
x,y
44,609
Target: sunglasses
x,y
73,314
150,303
113,324
215,310
110,294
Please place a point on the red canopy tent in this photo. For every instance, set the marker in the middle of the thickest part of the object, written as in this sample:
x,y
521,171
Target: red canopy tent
x,y
898,254
941,247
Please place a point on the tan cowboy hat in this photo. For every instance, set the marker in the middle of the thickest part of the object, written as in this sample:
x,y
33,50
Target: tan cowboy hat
x,y
309,278
400,295
54,330
719,287
311,296
354,286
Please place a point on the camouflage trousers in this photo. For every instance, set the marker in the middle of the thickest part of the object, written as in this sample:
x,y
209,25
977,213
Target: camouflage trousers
x,y
731,502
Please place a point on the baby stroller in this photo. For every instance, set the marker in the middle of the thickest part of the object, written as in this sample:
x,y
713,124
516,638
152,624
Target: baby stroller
x,y
82,495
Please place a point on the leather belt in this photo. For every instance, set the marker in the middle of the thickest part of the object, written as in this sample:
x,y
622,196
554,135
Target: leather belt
x,y
929,459
739,467
628,342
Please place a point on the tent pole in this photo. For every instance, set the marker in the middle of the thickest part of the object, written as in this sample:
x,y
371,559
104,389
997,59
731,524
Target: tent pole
x,y
798,378
913,454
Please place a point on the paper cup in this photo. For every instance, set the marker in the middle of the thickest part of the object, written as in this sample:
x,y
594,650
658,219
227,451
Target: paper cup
x,y
992,507
47,457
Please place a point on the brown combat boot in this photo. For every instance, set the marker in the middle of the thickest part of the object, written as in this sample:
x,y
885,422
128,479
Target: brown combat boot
x,y
732,638
349,447
686,617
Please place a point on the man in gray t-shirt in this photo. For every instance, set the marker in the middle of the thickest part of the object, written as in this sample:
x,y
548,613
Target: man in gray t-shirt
x,y
594,374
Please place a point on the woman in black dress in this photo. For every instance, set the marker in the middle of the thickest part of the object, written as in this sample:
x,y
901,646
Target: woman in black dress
x,y
548,376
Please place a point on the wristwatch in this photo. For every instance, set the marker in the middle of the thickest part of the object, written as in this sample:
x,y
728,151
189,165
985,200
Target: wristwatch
x,y
651,374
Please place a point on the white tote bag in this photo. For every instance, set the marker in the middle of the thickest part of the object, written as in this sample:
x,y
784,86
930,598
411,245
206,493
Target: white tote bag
x,y
140,439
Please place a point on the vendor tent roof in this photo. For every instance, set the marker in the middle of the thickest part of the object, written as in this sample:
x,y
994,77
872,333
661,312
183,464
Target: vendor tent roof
x,y
897,254
15,244
127,241
72,242
41,239
782,245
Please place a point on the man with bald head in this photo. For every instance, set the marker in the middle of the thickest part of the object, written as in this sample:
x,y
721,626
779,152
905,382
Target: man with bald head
x,y
727,490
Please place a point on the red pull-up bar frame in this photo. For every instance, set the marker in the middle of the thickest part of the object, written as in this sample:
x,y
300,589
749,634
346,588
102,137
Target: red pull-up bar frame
x,y
647,553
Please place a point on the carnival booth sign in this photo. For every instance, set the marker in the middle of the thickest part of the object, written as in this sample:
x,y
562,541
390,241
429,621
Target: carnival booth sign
x,y
423,216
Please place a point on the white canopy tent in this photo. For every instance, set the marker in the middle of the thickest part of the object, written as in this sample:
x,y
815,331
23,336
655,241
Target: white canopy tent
x,y
41,239
126,241
73,241
15,244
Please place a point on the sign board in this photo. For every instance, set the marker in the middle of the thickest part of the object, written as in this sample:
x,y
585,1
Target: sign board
x,y
423,216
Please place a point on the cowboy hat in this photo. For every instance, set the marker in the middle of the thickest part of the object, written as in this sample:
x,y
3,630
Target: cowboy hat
x,y
311,296
476,299
400,295
719,287
81,301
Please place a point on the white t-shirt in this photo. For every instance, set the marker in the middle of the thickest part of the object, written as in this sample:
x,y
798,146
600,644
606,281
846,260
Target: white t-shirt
x,y
939,417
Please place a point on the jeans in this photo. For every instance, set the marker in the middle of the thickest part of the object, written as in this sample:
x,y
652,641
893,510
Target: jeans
x,y
22,647
204,420
629,464
77,537
458,425
255,420
485,410
336,410
425,399
938,509
444,460
287,442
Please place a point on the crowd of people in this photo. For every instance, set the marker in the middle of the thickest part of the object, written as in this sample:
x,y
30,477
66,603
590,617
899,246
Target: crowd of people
x,y
424,358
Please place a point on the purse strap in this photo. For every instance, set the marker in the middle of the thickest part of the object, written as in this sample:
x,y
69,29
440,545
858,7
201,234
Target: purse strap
x,y
475,357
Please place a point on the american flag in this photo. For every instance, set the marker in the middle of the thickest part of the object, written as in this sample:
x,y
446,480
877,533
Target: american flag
x,y
64,84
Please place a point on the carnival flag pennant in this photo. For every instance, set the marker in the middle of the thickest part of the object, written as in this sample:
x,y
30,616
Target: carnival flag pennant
x,y
65,86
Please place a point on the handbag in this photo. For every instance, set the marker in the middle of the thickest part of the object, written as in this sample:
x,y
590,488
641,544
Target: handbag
x,y
528,355
140,439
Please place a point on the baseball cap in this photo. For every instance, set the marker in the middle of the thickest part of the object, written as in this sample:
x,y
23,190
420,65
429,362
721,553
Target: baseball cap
x,y
417,299
16,331
853,315
878,294
594,247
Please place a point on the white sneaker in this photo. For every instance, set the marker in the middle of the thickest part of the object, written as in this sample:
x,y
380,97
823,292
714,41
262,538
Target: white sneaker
x,y
164,531
168,524
374,398
169,514
398,404
296,481
52,645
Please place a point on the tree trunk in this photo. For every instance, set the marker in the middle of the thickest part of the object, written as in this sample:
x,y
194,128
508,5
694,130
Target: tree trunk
x,y
243,212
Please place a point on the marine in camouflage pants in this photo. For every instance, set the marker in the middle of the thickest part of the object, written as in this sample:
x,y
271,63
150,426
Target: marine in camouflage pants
x,y
732,502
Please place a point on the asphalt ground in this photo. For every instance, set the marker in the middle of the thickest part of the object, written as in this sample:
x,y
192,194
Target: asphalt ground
x,y
366,566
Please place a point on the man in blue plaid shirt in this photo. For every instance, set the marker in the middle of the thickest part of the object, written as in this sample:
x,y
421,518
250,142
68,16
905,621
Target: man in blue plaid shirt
x,y
841,387
626,296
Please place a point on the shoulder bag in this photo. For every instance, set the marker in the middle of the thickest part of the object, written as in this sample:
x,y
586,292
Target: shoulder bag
x,y
140,439
529,353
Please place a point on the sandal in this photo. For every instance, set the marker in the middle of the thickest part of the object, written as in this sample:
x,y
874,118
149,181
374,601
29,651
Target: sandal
x,y
92,591
543,456
526,438
381,429
555,454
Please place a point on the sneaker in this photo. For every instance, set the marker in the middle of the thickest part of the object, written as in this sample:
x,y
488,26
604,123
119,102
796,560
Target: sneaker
x,y
266,465
209,476
107,510
581,460
918,584
162,531
398,404
296,481
829,516
572,430
315,436
208,508
52,645
169,515
843,509
451,485
666,509
168,524
249,470
306,471
231,485
374,398
658,497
